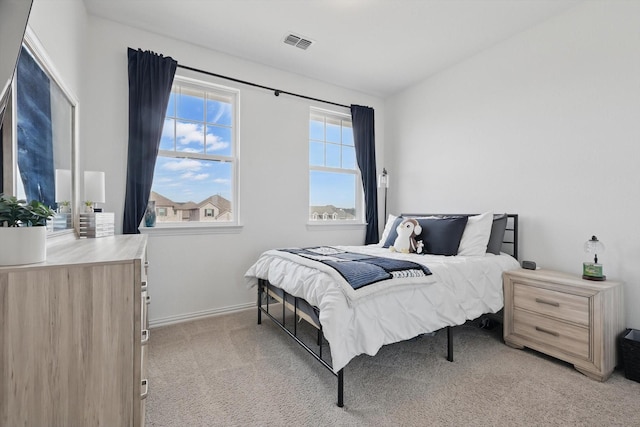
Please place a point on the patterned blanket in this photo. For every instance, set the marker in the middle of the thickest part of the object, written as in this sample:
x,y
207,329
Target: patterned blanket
x,y
360,270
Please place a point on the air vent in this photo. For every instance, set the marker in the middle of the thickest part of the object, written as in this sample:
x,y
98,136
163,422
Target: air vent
x,y
298,41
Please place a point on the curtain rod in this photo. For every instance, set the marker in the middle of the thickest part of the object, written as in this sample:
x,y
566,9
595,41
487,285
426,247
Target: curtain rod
x,y
276,92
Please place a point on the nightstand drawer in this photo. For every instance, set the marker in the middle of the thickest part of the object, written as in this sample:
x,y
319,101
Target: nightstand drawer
x,y
572,308
566,337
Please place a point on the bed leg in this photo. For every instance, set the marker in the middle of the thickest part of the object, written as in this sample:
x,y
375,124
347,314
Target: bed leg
x,y
284,306
449,344
295,316
260,303
340,389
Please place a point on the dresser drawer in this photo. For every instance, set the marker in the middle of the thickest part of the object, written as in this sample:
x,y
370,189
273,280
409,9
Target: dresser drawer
x,y
572,308
566,337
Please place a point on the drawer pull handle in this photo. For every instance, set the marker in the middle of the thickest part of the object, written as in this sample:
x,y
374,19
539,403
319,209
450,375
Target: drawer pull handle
x,y
546,331
541,301
145,384
145,336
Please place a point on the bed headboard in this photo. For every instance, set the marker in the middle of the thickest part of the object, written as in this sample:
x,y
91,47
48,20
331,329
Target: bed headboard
x,y
510,240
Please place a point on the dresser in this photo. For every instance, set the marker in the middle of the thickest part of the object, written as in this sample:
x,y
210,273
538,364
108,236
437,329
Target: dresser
x,y
72,335
566,317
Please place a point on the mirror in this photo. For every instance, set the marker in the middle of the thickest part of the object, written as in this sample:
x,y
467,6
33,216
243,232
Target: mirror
x,y
39,136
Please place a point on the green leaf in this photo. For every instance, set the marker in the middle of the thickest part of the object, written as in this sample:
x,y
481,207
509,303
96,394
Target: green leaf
x,y
16,212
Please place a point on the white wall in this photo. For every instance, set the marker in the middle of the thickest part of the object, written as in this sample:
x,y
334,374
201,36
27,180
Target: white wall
x,y
60,27
195,275
545,125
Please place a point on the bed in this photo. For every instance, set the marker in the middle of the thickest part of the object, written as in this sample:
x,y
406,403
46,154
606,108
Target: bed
x,y
396,296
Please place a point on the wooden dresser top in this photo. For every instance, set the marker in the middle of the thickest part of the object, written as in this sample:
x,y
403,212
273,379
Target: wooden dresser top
x,y
103,250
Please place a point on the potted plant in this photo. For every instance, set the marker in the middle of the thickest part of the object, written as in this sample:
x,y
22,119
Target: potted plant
x,y
23,230
64,207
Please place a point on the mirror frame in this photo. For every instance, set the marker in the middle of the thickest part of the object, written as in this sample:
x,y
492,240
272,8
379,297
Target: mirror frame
x,y
10,169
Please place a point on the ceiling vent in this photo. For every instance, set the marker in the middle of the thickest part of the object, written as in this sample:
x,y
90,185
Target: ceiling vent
x,y
298,41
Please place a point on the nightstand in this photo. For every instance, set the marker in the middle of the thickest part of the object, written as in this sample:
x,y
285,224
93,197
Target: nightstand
x,y
566,317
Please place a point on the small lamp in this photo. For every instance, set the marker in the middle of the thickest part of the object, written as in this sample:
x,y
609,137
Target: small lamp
x,y
63,190
383,182
593,270
94,192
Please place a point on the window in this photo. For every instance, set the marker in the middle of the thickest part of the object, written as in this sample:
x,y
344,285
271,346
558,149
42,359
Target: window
x,y
335,190
195,173
162,212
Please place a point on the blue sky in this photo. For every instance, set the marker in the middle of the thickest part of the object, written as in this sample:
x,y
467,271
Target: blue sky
x,y
331,146
189,179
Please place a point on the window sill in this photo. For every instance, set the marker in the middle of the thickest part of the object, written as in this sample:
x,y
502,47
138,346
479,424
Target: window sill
x,y
330,225
187,229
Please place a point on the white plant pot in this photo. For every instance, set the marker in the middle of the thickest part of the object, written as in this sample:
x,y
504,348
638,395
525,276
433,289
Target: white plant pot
x,y
22,245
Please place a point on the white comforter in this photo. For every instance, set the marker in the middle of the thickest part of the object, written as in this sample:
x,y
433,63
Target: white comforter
x,y
459,289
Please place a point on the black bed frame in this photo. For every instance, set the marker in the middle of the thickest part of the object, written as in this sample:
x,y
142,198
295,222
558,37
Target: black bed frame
x,y
301,308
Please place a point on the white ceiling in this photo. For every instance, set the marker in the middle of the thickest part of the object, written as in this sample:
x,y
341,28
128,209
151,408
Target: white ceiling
x,y
378,47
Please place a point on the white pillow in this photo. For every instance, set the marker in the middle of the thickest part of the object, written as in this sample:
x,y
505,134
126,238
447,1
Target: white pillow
x,y
476,235
387,229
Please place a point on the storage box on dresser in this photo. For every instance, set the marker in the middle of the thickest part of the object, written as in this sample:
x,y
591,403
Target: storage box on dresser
x,y
566,317
99,224
72,335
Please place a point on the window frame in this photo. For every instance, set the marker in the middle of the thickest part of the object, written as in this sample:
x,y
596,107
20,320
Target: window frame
x,y
197,227
359,220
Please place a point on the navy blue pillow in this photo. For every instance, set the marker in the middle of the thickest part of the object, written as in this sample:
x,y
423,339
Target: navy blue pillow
x,y
393,234
441,236
497,234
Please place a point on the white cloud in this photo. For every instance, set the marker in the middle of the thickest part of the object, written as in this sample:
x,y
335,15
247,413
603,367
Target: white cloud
x,y
167,127
189,133
223,108
222,181
192,134
183,165
214,143
194,176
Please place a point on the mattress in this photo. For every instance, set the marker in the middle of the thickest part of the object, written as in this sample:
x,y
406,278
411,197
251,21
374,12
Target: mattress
x,y
459,289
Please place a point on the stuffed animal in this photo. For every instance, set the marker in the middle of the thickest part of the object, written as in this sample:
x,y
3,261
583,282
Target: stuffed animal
x,y
406,242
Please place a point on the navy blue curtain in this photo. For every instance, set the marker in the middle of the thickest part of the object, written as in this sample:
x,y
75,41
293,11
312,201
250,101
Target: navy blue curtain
x,y
150,80
364,139
35,135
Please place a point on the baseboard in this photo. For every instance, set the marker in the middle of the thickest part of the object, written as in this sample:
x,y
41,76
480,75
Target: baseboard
x,y
164,321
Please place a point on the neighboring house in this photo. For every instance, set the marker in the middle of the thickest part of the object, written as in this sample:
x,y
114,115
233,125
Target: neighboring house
x,y
214,208
165,208
331,213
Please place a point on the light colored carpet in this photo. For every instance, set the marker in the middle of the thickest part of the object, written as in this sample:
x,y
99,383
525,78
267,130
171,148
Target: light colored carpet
x,y
229,371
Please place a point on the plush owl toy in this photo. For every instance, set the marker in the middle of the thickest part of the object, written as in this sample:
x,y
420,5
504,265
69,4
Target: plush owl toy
x,y
406,240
